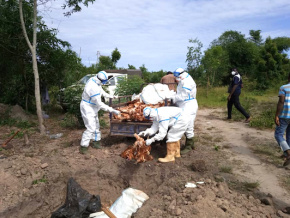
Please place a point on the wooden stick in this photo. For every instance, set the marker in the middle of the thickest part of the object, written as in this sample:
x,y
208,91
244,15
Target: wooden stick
x,y
108,212
8,140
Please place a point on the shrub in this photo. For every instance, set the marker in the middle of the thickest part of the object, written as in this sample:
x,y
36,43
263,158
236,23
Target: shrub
x,y
265,119
129,86
72,98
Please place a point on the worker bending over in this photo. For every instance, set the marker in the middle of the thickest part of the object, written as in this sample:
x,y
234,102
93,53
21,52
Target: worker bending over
x,y
164,119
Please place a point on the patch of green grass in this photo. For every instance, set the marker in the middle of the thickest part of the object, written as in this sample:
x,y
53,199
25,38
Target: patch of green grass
x,y
251,185
269,152
212,97
216,147
37,181
69,121
226,169
286,182
265,119
103,123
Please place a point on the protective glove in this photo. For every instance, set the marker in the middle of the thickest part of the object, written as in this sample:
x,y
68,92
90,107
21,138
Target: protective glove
x,y
143,133
116,112
150,141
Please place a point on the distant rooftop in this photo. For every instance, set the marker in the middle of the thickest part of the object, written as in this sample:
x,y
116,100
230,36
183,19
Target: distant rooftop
x,y
126,71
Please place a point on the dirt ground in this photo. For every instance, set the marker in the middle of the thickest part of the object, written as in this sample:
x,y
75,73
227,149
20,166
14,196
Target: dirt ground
x,y
34,173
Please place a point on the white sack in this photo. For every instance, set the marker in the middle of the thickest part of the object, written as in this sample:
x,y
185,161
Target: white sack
x,y
127,204
154,93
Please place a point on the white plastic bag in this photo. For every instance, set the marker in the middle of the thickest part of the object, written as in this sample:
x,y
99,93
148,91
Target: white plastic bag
x,y
127,204
155,93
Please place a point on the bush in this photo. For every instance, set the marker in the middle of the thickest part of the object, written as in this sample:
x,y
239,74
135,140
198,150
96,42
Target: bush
x,y
265,119
72,97
129,86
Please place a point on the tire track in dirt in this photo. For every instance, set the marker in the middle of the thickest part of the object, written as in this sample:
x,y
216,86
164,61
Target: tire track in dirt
x,y
235,135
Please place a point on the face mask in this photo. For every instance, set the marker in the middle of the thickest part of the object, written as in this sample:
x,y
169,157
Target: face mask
x,y
233,73
178,79
104,81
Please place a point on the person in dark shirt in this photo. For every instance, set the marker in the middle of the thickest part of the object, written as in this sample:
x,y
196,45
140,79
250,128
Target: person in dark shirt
x,y
234,96
170,80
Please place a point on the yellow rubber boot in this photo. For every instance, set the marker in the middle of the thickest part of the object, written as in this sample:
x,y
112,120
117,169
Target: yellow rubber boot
x,y
170,153
177,149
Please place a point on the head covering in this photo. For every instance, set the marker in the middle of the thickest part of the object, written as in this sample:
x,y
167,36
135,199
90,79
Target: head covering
x,y
103,77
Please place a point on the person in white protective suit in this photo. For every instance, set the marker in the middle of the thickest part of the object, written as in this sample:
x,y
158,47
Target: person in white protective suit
x,y
185,98
90,105
165,118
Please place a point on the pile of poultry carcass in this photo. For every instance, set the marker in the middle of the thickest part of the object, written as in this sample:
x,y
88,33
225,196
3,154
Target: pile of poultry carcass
x,y
134,111
139,151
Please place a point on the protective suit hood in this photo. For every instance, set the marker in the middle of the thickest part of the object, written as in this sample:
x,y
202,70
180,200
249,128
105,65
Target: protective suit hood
x,y
150,113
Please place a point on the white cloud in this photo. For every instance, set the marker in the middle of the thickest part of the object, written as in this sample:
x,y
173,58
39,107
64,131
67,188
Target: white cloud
x,y
156,32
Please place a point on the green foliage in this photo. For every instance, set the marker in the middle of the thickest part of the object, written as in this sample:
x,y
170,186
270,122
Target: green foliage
x,y
103,123
269,65
69,121
131,67
226,169
74,6
72,98
216,147
7,120
216,63
256,37
155,77
265,119
145,73
129,86
57,63
42,180
212,97
116,55
194,54
282,43
251,185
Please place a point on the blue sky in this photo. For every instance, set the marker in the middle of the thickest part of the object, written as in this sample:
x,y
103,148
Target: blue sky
x,y
156,32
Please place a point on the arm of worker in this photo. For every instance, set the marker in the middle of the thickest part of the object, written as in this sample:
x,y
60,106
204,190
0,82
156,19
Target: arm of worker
x,y
163,128
150,131
279,109
105,94
95,99
182,94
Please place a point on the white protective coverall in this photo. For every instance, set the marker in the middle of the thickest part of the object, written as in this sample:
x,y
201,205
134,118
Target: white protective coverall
x,y
90,105
165,118
185,98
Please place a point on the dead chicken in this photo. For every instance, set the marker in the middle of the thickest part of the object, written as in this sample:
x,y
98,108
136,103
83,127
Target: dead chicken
x,y
139,151
134,111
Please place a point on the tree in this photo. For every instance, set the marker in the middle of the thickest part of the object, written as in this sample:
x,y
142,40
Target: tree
x,y
116,55
242,53
131,67
282,43
216,65
256,37
270,65
145,73
32,46
74,4
194,55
